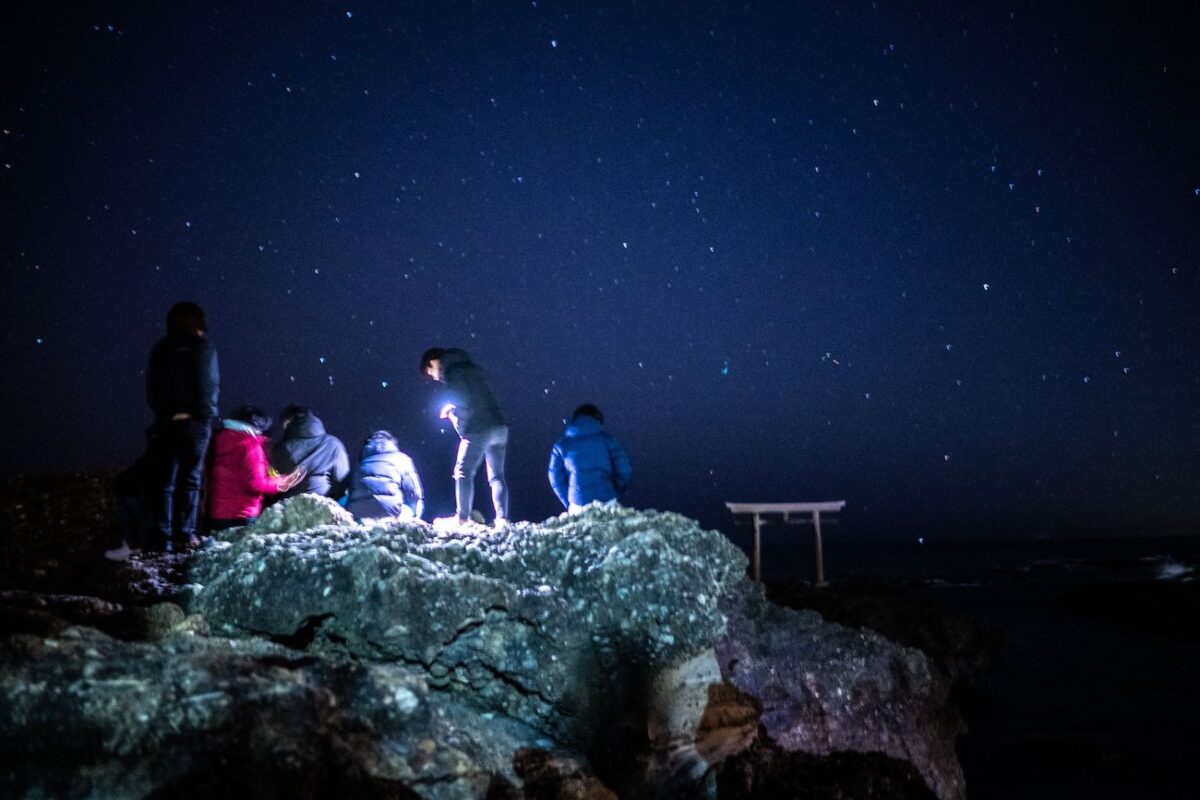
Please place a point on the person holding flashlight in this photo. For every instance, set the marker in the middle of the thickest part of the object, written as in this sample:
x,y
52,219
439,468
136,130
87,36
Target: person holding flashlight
x,y
472,408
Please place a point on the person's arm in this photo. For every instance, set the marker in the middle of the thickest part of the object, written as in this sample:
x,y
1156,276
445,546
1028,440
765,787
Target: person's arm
x,y
339,476
208,382
458,394
622,469
557,474
414,494
260,479
281,458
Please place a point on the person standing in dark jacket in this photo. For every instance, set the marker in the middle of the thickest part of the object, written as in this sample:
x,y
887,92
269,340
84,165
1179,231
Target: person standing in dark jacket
x,y
306,444
384,483
588,464
482,429
182,385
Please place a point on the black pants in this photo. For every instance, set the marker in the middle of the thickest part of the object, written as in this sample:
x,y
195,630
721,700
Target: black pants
x,y
177,467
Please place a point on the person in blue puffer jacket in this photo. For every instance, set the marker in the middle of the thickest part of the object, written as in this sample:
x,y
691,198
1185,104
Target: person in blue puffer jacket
x,y
587,464
384,483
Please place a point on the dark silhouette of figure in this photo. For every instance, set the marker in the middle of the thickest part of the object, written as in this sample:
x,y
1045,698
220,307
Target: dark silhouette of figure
x,y
384,483
472,408
182,386
306,444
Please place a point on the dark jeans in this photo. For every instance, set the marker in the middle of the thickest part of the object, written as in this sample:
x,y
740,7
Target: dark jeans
x,y
177,466
490,446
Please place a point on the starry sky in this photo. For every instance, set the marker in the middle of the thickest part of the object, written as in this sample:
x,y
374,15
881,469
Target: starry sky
x,y
940,260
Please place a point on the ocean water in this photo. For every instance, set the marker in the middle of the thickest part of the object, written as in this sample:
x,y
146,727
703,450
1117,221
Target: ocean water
x,y
1096,691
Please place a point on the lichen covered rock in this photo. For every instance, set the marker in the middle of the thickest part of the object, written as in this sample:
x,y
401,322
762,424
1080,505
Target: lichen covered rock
x,y
192,716
537,622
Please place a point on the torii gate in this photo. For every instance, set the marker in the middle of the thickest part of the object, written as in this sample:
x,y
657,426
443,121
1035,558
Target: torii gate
x,y
787,509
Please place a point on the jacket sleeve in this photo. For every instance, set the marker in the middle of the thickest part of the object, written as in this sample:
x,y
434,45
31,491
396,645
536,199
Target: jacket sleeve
x,y
208,382
281,458
557,474
458,392
414,495
339,476
260,475
622,469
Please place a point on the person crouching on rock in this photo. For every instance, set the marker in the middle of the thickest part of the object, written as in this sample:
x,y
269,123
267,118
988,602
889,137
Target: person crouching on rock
x,y
239,476
475,413
384,483
306,444
588,464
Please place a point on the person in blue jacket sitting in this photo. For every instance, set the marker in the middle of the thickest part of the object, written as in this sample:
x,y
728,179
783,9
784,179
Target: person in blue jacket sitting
x,y
384,483
587,464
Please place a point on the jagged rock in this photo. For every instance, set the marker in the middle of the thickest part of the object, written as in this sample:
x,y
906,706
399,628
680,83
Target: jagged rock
x,y
543,623
300,513
827,689
597,630
48,615
616,651
549,777
197,717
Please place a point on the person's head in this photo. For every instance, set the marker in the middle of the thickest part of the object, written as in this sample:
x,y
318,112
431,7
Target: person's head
x,y
431,363
379,442
186,318
588,410
293,411
252,416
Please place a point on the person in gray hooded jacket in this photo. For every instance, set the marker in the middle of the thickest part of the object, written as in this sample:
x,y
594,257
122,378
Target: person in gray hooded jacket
x,y
306,444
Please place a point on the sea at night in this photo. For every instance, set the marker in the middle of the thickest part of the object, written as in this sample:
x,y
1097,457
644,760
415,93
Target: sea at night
x,y
1090,690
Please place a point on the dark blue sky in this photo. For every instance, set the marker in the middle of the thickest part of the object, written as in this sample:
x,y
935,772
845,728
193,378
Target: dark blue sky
x,y
939,260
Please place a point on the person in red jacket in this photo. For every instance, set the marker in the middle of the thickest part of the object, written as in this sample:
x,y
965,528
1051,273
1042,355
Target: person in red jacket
x,y
240,475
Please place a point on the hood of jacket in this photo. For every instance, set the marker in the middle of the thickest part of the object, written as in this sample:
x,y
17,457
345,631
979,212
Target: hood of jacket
x,y
237,426
304,426
583,425
454,357
379,442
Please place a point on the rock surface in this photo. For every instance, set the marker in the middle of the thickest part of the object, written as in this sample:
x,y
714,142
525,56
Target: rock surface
x,y
827,689
615,653
543,623
197,716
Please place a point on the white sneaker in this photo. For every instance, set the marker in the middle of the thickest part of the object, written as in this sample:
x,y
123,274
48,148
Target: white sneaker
x,y
120,553
500,524
452,523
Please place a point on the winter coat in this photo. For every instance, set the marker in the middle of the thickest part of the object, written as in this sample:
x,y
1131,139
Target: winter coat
x,y
239,475
306,444
384,483
588,464
182,377
467,388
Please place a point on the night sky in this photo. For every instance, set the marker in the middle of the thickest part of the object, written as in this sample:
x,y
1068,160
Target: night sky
x,y
939,260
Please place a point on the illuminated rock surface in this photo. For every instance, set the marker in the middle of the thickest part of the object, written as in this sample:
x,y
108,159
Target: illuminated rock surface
x,y
618,650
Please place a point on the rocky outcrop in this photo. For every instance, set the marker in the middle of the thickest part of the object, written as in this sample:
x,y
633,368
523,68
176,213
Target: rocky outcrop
x,y
827,689
194,716
549,624
614,653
